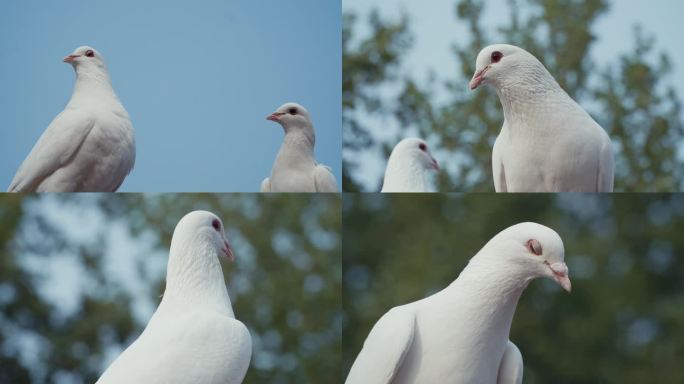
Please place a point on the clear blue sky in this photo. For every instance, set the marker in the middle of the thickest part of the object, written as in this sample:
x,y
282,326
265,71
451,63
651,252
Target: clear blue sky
x,y
198,79
435,29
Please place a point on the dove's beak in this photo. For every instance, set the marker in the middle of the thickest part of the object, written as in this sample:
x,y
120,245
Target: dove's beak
x,y
478,78
71,58
275,116
434,165
228,251
560,274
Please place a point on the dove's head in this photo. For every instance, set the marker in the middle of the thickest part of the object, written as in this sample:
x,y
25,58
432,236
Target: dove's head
x,y
502,65
415,150
86,58
530,250
292,116
204,231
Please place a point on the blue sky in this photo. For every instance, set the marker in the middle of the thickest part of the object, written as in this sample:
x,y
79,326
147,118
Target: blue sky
x,y
435,29
197,78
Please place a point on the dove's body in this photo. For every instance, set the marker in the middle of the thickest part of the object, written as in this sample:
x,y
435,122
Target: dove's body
x,y
193,337
460,334
548,142
88,147
295,168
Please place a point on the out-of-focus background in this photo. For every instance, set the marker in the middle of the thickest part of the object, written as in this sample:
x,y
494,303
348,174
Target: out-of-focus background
x,y
623,321
81,274
407,65
198,79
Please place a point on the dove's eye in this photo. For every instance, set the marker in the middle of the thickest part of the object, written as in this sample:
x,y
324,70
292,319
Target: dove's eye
x,y
90,53
534,246
292,111
216,224
496,56
422,147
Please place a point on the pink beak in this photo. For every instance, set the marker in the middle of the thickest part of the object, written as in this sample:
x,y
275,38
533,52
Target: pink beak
x,y
228,251
275,116
70,58
478,78
560,275
434,165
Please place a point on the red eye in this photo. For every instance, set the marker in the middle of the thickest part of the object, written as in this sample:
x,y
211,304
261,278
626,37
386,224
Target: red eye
x,y
216,224
534,246
90,53
422,147
496,56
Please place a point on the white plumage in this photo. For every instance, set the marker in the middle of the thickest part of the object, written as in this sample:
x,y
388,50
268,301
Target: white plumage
x,y
460,334
407,165
193,337
295,168
90,145
548,142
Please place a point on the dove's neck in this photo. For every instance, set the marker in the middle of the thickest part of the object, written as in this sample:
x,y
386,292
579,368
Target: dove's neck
x,y
528,94
487,292
404,174
297,148
194,279
93,84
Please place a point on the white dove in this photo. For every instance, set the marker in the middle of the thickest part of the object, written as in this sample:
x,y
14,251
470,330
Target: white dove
x,y
295,169
548,143
407,165
460,334
90,145
193,337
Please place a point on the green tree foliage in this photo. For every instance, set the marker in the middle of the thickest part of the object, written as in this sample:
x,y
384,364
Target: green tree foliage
x,y
622,323
629,96
284,284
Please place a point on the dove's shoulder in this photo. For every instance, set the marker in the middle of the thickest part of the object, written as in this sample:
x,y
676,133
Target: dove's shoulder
x,y
386,347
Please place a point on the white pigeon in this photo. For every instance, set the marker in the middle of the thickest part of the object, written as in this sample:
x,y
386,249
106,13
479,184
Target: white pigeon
x,y
89,146
548,143
193,337
295,169
460,334
407,165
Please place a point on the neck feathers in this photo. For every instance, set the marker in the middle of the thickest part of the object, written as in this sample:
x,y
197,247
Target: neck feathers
x,y
498,288
297,149
93,82
523,94
194,278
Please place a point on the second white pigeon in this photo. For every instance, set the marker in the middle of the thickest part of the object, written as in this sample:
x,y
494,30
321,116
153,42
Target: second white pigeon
x,y
548,142
193,337
461,334
89,146
406,167
295,169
